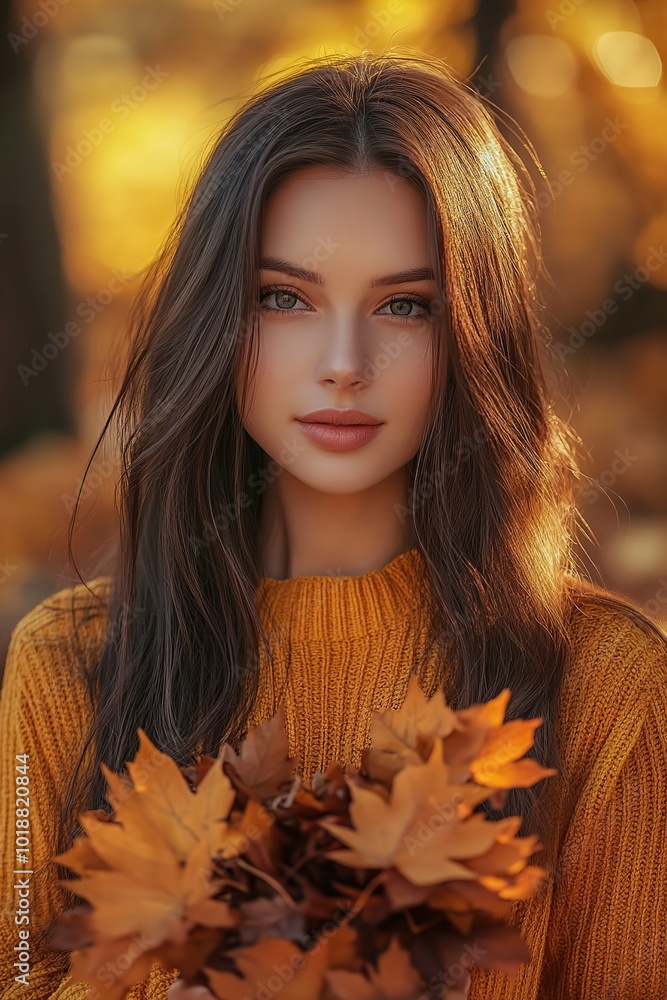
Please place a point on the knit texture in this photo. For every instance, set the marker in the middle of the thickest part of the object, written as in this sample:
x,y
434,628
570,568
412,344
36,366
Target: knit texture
x,y
342,647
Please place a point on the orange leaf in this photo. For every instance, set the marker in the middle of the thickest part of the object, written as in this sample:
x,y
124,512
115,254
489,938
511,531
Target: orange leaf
x,y
160,809
263,764
398,735
276,964
149,868
395,979
497,764
424,828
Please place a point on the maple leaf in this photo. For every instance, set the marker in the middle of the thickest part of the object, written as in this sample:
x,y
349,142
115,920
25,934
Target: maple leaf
x,y
263,765
149,867
507,854
405,735
501,877
497,764
253,834
494,945
298,974
487,749
131,957
395,979
164,900
463,744
159,812
425,828
125,954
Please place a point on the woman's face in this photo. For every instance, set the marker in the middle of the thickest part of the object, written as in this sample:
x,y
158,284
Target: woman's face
x,y
341,326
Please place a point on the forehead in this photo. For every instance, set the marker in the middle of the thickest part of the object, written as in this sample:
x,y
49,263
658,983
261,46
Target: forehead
x,y
376,213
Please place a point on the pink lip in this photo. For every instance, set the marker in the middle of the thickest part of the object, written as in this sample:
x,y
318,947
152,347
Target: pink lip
x,y
336,415
339,437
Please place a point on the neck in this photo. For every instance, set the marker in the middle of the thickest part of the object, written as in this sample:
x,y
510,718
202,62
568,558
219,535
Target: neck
x,y
307,532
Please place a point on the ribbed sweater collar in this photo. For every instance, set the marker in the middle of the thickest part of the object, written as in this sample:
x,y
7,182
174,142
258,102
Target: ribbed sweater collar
x,y
344,607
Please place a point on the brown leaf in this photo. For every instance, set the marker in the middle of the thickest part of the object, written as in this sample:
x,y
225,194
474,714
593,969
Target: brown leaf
x,y
420,830
160,817
73,929
263,764
395,979
129,957
190,956
149,868
253,834
164,901
297,974
113,967
342,949
269,916
501,947
405,735
402,893
462,899
473,723
195,773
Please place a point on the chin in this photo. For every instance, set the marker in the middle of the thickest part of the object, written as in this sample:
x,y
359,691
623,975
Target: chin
x,y
342,482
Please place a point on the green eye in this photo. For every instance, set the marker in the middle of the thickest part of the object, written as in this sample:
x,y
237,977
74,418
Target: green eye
x,y
407,302
280,295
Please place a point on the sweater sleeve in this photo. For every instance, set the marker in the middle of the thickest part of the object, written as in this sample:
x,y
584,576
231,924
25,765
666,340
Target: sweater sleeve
x,y
610,902
43,713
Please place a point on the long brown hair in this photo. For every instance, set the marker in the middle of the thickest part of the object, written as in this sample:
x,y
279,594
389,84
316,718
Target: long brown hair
x,y
492,485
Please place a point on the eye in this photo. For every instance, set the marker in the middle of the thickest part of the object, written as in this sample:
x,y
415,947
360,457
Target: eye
x,y
406,302
285,299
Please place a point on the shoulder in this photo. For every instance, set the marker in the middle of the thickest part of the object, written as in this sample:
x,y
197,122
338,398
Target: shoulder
x,y
57,618
615,671
609,632
59,634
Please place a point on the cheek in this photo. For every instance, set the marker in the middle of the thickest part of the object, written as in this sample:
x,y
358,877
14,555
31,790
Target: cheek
x,y
271,389
408,382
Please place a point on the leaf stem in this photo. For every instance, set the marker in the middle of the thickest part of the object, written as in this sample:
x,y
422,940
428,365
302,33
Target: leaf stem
x,y
268,878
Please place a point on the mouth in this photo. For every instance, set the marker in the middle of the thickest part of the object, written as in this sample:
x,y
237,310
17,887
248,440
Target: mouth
x,y
340,418
339,437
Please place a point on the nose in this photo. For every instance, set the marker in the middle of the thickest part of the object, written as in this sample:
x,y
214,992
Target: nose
x,y
344,360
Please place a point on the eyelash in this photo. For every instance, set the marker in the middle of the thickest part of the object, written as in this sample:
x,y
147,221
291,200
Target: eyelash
x,y
406,297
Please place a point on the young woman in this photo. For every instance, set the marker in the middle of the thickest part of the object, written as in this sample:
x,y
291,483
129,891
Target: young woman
x,y
341,466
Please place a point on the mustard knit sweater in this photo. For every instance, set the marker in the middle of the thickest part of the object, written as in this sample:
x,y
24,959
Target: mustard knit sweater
x,y
596,927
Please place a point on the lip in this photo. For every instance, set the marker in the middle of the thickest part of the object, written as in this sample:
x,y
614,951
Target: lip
x,y
338,417
339,437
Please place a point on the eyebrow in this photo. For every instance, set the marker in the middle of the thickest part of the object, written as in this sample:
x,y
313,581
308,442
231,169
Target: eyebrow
x,y
399,278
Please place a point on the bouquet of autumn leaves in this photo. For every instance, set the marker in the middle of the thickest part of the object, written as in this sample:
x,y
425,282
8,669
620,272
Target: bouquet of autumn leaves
x,y
370,883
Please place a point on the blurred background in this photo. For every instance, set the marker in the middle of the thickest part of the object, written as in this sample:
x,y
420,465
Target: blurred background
x,y
107,109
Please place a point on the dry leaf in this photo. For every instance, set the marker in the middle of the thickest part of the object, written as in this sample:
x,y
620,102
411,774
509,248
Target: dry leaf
x,y
420,830
278,965
395,979
263,765
222,870
405,735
